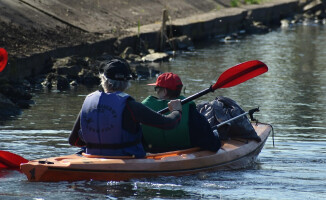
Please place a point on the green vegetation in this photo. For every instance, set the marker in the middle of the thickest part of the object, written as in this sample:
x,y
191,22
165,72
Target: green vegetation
x,y
253,1
237,3
218,7
138,34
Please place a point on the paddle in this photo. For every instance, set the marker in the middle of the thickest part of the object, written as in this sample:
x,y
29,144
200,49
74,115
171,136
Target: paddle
x,y
231,77
3,59
10,160
250,112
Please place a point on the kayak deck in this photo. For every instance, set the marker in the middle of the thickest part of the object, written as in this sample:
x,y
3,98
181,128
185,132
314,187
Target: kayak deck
x,y
234,154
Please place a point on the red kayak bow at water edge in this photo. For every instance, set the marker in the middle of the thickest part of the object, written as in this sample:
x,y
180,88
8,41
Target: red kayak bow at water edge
x,y
3,59
10,160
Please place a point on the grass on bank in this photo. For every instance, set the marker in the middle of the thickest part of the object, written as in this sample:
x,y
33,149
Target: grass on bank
x,y
237,3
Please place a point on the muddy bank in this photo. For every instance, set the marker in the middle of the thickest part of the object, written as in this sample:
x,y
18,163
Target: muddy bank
x,y
67,53
33,32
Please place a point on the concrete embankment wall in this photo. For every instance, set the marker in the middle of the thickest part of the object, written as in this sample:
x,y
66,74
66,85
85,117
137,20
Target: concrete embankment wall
x,y
197,27
224,21
39,63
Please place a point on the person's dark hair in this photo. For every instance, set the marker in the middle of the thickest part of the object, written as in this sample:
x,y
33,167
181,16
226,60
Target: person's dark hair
x,y
171,94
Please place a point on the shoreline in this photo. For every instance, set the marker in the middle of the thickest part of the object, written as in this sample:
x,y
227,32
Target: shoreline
x,y
196,27
135,45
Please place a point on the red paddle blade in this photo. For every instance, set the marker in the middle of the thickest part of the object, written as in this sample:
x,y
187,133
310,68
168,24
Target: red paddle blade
x,y
3,59
10,160
240,73
3,166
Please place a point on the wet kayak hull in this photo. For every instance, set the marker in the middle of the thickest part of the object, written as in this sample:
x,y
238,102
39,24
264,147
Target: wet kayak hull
x,y
234,154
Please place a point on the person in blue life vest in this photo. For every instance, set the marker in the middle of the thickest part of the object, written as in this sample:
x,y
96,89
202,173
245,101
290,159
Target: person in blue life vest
x,y
109,122
193,130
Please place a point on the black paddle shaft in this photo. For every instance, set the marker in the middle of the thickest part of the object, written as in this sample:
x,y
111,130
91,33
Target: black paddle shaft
x,y
190,98
250,112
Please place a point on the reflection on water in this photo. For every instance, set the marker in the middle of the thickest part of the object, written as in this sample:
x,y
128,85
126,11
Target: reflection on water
x,y
146,190
291,96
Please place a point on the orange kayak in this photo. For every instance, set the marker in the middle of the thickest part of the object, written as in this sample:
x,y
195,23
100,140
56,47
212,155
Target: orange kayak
x,y
234,154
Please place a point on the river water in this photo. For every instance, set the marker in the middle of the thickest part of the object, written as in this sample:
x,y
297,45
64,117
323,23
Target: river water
x,y
291,97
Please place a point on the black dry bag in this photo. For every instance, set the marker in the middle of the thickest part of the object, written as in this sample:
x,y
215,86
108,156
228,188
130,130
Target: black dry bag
x,y
222,109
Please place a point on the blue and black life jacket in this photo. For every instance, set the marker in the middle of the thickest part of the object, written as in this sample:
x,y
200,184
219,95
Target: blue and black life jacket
x,y
101,126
